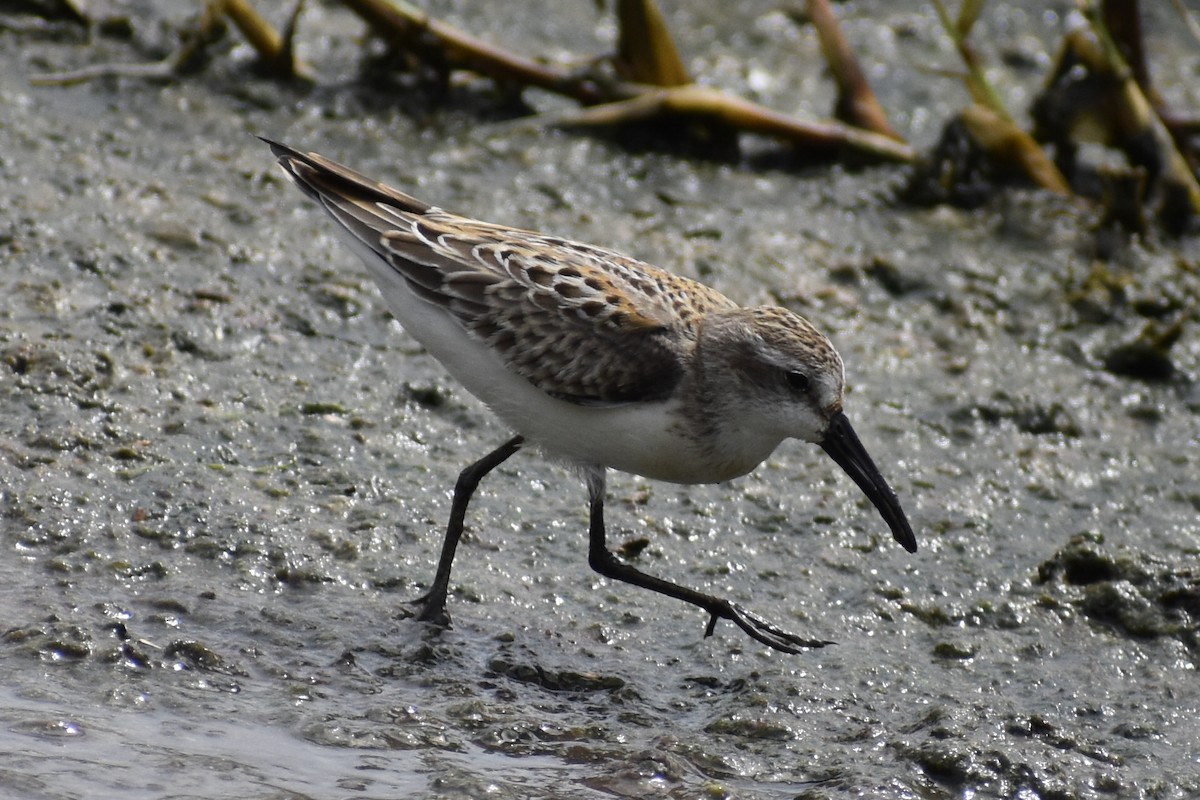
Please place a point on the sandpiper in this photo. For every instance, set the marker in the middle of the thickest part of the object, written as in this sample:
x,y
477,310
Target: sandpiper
x,y
599,360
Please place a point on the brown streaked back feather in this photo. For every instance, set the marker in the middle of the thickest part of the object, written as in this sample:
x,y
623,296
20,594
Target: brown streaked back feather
x,y
537,300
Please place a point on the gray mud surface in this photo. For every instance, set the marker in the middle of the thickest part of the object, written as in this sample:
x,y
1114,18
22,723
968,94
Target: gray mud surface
x,y
224,467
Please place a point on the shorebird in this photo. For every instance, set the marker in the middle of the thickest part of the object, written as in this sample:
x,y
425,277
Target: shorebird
x,y
599,360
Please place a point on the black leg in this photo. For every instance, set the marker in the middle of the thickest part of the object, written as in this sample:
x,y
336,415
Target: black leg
x,y
433,602
603,561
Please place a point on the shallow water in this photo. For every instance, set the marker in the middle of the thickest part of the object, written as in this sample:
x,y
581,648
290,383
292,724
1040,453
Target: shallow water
x,y
224,467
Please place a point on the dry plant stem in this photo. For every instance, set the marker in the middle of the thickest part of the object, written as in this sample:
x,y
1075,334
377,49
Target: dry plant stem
x,y
159,70
1175,166
1189,19
400,22
209,28
1008,143
989,122
856,103
274,50
959,31
742,115
298,67
622,101
646,53
265,40
1134,111
1122,20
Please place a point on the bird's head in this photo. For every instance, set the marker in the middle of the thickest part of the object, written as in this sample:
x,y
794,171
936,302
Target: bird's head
x,y
783,379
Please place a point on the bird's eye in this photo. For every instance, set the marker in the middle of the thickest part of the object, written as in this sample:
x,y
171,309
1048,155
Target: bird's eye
x,y
796,381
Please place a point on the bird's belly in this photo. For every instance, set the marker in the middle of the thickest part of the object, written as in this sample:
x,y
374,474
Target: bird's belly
x,y
642,439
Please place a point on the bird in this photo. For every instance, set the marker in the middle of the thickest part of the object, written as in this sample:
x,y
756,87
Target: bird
x,y
600,361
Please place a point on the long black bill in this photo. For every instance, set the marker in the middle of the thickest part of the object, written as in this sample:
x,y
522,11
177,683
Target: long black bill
x,y
843,446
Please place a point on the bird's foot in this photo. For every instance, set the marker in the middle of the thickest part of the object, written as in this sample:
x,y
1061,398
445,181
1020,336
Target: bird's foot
x,y
760,629
430,607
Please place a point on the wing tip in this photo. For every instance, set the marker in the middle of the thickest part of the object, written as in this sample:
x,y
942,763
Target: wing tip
x,y
322,178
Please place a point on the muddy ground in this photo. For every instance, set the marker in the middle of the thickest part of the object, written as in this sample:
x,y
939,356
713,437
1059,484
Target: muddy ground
x,y
224,467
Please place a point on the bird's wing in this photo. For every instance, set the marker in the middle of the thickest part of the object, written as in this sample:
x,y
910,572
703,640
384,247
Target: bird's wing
x,y
581,323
